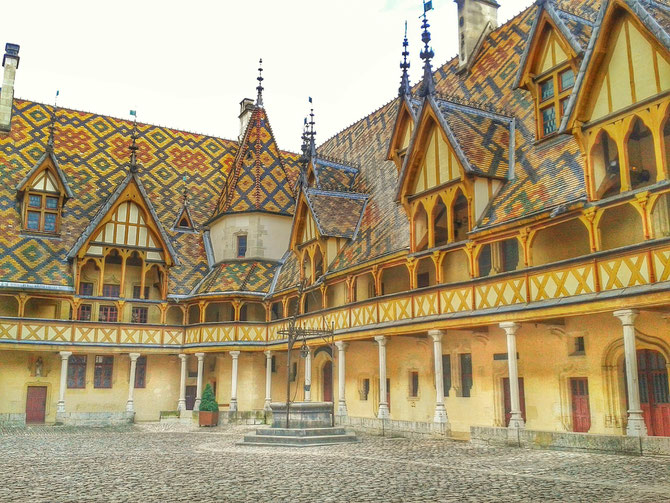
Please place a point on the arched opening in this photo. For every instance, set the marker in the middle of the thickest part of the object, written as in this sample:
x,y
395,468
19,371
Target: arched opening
x,y
573,237
395,279
459,217
252,311
307,268
641,158
194,314
327,381
133,282
501,256
174,316
152,283
660,216
620,226
420,228
318,263
364,287
666,142
292,307
9,306
141,313
276,311
605,166
652,372
455,267
219,311
89,278
440,223
336,294
46,309
425,273
111,284
313,301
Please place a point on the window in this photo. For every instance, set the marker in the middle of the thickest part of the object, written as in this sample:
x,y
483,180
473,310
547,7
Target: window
x,y
84,313
501,256
365,389
423,280
273,363
466,374
242,246
139,315
85,288
510,254
76,372
579,348
294,372
553,94
102,377
108,313
141,372
137,290
446,373
413,384
111,290
42,212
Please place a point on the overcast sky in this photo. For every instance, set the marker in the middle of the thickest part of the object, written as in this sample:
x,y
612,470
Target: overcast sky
x,y
187,65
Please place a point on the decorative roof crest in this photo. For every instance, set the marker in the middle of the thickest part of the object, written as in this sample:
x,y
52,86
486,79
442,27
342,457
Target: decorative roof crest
x,y
259,88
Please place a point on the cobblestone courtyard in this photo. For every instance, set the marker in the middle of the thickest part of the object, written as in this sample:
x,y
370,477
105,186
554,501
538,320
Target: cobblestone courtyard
x,y
154,463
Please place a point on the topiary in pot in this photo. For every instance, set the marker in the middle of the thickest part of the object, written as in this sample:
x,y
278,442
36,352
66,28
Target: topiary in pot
x,y
209,409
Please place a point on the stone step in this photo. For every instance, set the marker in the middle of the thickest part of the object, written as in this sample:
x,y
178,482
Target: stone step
x,y
300,432
297,441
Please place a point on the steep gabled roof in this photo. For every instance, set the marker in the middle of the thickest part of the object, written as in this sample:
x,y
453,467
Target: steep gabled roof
x,y
259,180
242,276
48,154
337,214
330,174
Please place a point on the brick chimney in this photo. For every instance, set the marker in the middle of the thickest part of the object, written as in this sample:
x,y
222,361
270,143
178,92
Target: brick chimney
x,y
246,109
476,19
11,62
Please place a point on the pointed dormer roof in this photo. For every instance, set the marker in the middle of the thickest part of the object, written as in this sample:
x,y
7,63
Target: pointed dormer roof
x,y
259,180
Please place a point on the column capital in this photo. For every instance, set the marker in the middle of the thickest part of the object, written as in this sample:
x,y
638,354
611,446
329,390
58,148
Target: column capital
x,y
134,356
65,354
200,356
436,335
381,339
182,356
626,316
341,345
268,353
510,327
234,354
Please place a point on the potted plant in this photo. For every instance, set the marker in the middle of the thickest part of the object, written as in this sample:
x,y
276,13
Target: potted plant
x,y
209,409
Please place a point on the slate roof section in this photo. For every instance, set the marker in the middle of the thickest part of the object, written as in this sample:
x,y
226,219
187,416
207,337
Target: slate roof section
x,y
333,175
238,276
337,214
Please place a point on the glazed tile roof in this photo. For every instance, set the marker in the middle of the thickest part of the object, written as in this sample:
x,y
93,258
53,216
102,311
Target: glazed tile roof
x,y
238,276
337,214
332,175
259,180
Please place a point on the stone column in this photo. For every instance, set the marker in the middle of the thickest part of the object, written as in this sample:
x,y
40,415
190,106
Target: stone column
x,y
341,378
268,379
440,409
308,376
233,388
516,419
64,356
383,412
636,426
181,404
198,389
130,407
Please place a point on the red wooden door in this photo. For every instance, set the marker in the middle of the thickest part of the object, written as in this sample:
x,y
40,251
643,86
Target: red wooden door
x,y
508,400
581,412
191,391
654,395
36,403
327,380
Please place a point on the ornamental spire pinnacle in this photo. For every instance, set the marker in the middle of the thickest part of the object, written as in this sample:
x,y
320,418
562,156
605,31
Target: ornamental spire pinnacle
x,y
311,133
259,88
428,85
405,88
52,125
133,146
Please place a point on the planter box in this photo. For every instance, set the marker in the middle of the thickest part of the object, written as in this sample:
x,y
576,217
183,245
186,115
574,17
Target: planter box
x,y
208,418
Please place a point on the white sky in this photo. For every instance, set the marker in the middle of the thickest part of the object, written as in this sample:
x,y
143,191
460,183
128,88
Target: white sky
x,y
188,64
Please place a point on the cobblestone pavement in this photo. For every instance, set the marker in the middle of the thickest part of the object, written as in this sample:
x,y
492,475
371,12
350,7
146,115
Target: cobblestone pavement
x,y
179,463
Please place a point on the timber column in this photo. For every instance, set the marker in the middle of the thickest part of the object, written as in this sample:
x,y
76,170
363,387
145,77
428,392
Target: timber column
x,y
383,412
233,387
181,404
198,389
516,419
268,379
64,357
341,378
440,410
130,407
636,426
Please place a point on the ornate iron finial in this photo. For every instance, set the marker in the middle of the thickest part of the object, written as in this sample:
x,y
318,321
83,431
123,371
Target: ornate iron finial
x,y
405,88
428,85
259,88
52,125
133,146
312,132
304,157
185,192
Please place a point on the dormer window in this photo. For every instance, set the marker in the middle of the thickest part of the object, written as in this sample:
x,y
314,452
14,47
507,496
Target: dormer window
x,y
42,203
553,93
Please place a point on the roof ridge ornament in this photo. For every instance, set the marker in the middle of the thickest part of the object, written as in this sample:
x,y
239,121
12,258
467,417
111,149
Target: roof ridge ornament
x,y
312,132
405,88
133,146
259,88
52,125
428,84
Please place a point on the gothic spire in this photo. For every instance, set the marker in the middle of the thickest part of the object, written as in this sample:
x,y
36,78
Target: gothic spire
x,y
312,132
405,88
259,88
428,84
52,125
133,146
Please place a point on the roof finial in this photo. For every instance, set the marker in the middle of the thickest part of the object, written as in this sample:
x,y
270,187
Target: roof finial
x,y
133,146
428,85
405,88
304,157
312,133
259,88
185,193
52,124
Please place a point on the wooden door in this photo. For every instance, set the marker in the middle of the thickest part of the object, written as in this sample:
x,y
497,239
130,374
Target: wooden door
x,y
327,381
654,394
190,396
508,400
581,412
36,403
